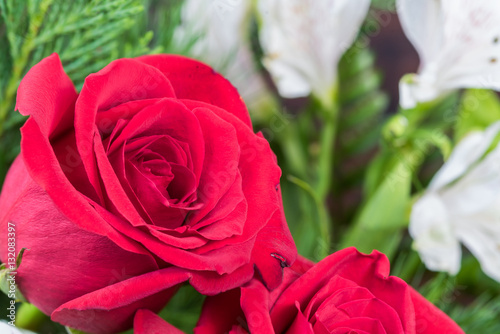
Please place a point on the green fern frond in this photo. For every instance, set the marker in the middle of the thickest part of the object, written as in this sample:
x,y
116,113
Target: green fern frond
x,y
86,34
362,107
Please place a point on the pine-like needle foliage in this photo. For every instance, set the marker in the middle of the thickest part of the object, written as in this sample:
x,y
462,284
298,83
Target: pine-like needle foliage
x,y
87,35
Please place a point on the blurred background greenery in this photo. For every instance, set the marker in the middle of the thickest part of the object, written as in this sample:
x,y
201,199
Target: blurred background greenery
x,y
350,185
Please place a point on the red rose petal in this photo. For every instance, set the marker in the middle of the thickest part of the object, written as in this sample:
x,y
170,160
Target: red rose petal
x,y
92,260
165,117
228,226
360,326
110,310
430,319
300,324
274,249
301,265
220,313
222,155
336,288
194,80
256,304
147,322
369,271
123,80
224,259
70,161
48,95
106,120
260,194
45,170
369,308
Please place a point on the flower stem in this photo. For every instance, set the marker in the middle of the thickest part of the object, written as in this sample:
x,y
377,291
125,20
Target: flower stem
x,y
329,112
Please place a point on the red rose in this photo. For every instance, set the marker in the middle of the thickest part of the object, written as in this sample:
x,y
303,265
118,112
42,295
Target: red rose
x,y
149,177
347,292
146,322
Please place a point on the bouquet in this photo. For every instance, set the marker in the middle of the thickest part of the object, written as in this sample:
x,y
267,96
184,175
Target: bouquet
x,y
242,166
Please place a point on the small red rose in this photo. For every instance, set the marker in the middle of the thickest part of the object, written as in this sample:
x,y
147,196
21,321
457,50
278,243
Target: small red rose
x,y
347,292
149,177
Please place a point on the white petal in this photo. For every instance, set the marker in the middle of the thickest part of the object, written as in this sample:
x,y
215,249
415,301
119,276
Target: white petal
x,y
418,88
458,42
478,189
421,21
5,328
290,83
482,237
244,75
303,41
215,25
217,29
464,155
434,236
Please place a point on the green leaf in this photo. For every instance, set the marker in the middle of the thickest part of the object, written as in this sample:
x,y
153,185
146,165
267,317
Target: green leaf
x,y
20,257
382,219
478,109
8,283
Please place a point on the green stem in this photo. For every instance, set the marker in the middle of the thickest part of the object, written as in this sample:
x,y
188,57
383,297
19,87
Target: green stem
x,y
326,163
292,148
325,230
323,249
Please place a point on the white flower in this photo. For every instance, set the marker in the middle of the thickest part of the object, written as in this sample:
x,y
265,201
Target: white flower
x,y
216,32
215,26
458,42
303,41
462,205
5,328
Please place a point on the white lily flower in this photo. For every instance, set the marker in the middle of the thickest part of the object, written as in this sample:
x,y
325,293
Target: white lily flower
x,y
303,41
215,31
458,42
462,206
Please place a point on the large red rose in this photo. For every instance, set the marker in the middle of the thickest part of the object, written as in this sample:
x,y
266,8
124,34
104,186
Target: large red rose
x,y
347,292
149,177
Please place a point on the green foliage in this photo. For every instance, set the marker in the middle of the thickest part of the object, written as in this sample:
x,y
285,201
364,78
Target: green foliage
x,y
480,316
184,309
8,277
162,18
87,35
362,107
478,109
387,5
